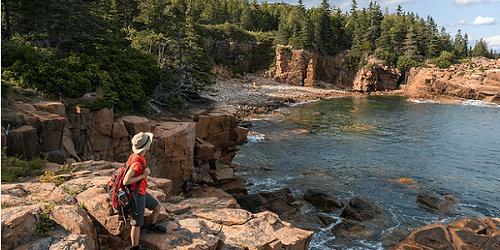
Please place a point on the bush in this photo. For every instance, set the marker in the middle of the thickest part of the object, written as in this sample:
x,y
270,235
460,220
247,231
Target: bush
x,y
14,168
445,60
226,31
44,223
404,63
124,77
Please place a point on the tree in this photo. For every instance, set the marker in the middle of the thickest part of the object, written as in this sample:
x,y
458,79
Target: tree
x,y
480,49
410,44
459,45
324,34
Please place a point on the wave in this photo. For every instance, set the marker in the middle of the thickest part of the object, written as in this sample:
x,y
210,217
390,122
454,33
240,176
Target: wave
x,y
255,137
422,101
480,103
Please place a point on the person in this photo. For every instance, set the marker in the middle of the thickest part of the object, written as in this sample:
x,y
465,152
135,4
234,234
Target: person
x,y
137,177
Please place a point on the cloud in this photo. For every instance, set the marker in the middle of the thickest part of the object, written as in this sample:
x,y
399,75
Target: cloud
x,y
493,42
459,23
484,20
468,2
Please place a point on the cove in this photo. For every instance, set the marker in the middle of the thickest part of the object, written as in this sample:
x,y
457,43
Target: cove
x,y
361,146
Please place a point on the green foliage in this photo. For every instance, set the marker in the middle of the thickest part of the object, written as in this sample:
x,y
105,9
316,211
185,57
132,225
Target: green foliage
x,y
44,224
445,60
50,176
480,49
14,168
405,62
226,31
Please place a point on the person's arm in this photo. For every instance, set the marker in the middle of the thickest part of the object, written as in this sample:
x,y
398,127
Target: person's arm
x,y
129,179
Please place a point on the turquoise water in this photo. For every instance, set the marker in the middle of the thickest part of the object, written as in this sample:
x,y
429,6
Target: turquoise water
x,y
361,145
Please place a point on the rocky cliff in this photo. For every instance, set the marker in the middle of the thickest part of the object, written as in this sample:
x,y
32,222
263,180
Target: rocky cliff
x,y
71,209
376,77
305,68
478,79
196,150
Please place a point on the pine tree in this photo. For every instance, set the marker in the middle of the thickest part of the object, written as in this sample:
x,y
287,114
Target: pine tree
x,y
324,34
459,45
480,49
410,44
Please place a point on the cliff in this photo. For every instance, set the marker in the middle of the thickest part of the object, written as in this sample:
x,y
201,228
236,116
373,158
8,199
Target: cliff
x,y
478,79
305,68
69,207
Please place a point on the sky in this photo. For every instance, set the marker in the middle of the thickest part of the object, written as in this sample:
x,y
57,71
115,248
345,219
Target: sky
x,y
477,18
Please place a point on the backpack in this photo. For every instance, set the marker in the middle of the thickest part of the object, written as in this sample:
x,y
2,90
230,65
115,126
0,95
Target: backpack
x,y
120,194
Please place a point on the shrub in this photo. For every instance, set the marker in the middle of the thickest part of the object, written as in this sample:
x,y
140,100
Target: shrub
x,y
44,223
14,168
445,60
404,63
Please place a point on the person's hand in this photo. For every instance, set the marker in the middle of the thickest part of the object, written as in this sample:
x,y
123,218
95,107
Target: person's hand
x,y
147,172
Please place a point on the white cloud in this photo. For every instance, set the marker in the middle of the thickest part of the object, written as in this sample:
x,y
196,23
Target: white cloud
x,y
467,2
484,20
459,23
493,42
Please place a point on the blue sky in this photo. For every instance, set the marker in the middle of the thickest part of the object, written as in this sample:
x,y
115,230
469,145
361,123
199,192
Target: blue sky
x,y
477,18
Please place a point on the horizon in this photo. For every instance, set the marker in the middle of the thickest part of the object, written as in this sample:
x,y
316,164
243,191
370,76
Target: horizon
x,y
477,18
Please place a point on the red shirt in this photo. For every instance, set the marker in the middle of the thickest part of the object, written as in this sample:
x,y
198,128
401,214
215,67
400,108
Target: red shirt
x,y
138,164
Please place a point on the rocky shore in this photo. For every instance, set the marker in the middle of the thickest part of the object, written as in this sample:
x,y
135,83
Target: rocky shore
x,y
190,160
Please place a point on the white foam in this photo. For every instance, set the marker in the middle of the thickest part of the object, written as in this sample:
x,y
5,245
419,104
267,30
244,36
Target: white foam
x,y
422,101
479,103
255,137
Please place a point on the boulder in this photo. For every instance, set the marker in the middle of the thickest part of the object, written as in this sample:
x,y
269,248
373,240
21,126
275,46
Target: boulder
x,y
135,124
322,200
280,202
469,233
28,193
224,216
175,206
57,108
235,186
205,151
96,202
19,225
350,230
239,135
76,220
23,142
435,202
222,172
360,209
74,242
172,152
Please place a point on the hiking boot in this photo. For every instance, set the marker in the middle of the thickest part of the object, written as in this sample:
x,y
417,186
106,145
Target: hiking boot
x,y
140,247
156,228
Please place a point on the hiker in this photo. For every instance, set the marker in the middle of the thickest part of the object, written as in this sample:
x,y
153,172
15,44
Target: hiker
x,y
136,177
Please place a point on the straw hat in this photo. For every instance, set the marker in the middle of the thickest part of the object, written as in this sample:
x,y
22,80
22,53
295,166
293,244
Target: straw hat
x,y
141,141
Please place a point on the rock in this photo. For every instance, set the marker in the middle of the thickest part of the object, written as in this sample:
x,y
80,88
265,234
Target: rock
x,y
96,202
470,233
478,80
235,186
74,242
178,237
360,209
376,78
28,193
239,135
326,220
322,200
264,230
163,184
205,151
19,225
435,202
222,172
103,121
280,202
305,68
57,108
224,216
23,142
201,192
349,230
173,152
185,205
39,244
76,220
135,124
